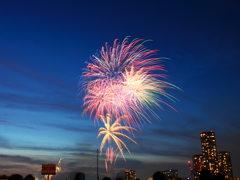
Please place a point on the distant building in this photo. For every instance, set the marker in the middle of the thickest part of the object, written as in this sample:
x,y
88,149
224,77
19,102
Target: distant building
x,y
209,152
225,165
210,159
197,165
171,174
130,175
236,178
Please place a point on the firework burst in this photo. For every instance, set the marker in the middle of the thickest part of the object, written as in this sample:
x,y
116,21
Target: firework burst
x,y
111,131
123,87
120,81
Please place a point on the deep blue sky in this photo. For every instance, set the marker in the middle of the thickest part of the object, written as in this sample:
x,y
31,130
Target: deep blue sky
x,y
43,49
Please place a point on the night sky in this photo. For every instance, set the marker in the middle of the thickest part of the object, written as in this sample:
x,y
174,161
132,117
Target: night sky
x,y
44,46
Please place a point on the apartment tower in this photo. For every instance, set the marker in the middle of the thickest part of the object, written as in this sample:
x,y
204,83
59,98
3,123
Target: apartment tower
x,y
225,165
209,152
130,174
197,165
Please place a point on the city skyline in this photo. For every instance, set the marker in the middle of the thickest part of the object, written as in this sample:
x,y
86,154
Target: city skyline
x,y
44,47
210,159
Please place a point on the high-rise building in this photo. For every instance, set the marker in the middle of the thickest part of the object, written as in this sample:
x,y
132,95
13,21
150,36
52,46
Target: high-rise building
x,y
197,165
171,174
210,160
130,175
225,165
209,152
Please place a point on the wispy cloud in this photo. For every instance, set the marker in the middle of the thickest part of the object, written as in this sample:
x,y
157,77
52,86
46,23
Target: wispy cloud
x,y
19,159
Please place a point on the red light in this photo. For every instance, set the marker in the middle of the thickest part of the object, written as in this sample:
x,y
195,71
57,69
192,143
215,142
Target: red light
x,y
189,162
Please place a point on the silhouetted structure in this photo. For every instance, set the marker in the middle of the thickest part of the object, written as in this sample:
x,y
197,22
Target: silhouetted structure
x,y
158,176
15,177
120,175
170,174
219,177
79,176
29,177
106,178
197,165
205,175
4,176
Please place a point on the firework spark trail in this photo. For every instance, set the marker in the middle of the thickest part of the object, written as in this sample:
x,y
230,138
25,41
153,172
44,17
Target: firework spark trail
x,y
112,130
142,92
120,81
111,157
59,166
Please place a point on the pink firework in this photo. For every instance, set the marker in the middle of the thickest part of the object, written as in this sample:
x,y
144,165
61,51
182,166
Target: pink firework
x,y
122,81
111,157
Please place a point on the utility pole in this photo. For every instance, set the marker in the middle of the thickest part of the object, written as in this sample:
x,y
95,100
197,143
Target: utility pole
x,y
97,166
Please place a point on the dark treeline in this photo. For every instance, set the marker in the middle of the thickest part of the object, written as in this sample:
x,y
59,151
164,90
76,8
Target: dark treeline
x,y
4,176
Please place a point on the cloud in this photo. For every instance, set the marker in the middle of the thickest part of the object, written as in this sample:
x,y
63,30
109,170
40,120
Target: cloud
x,y
130,164
26,89
34,75
22,159
4,143
19,125
77,150
19,101
72,127
4,122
